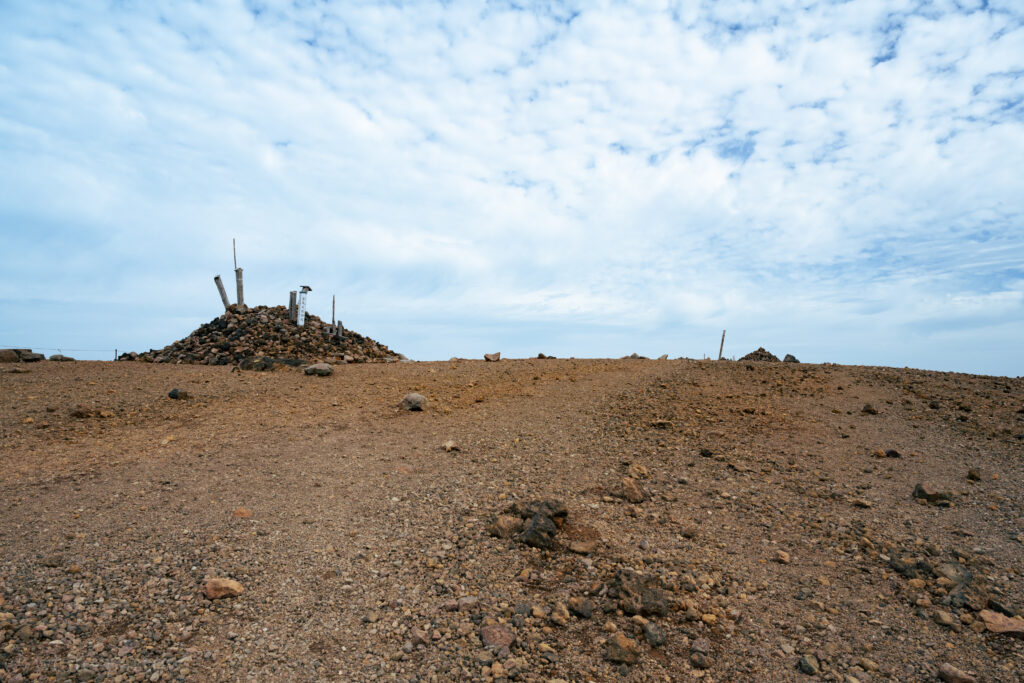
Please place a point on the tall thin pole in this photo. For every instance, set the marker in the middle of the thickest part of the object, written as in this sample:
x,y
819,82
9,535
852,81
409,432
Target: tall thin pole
x,y
234,253
721,346
332,309
223,294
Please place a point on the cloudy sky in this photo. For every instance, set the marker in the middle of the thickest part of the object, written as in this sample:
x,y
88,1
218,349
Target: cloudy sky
x,y
843,181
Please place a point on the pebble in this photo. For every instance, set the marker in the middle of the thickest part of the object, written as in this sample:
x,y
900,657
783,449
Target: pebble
x,y
809,665
217,588
622,650
950,674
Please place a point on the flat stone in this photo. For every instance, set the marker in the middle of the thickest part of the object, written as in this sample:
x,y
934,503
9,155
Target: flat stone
x,y
497,636
1000,623
581,607
320,369
951,674
654,634
492,357
217,588
927,493
809,665
505,526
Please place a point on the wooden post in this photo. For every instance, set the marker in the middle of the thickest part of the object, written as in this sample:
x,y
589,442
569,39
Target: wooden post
x,y
292,309
238,286
332,309
234,253
721,346
223,294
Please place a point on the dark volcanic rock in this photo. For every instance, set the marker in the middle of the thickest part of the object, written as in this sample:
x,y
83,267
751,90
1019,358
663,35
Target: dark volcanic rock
x,y
761,355
790,358
540,532
263,337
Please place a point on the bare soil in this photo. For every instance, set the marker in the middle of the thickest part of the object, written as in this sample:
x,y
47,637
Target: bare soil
x,y
363,546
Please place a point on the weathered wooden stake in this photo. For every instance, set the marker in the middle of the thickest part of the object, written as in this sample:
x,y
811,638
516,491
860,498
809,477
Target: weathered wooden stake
x,y
721,346
332,309
292,305
223,294
234,253
238,286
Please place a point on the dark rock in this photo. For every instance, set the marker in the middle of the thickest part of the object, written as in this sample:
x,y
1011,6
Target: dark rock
x,y
892,453
9,356
809,665
639,594
869,409
60,358
790,358
414,402
974,475
654,634
539,532
177,394
930,495
761,355
581,607
699,660
553,508
31,357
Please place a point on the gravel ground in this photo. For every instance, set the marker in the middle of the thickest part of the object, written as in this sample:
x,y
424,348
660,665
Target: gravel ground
x,y
730,521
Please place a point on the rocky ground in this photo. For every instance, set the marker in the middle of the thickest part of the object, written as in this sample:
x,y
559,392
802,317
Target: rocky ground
x,y
537,520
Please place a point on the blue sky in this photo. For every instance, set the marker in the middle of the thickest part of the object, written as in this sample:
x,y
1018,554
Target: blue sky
x,y
843,181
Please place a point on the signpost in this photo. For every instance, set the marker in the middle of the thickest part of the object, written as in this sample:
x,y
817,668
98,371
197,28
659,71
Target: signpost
x,y
301,316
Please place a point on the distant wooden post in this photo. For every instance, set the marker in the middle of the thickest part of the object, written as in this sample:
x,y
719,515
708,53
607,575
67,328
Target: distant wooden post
x,y
721,346
332,309
238,286
292,305
223,294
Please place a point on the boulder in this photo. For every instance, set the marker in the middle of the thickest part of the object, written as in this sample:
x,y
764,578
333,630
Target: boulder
x,y
414,402
60,358
790,358
492,357
320,369
31,357
9,356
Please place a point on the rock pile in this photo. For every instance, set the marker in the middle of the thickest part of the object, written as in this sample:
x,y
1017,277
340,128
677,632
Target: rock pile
x,y
24,356
761,355
259,338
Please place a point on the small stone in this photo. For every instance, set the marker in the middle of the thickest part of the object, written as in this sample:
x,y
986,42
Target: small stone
x,y
583,547
492,357
943,618
560,614
449,446
539,532
581,607
926,493
867,664
320,369
951,674
242,513
869,409
217,588
177,394
709,619
497,636
631,491
699,660
654,634
25,633
622,650
468,602
782,557
505,526
974,475
809,665
414,402
419,636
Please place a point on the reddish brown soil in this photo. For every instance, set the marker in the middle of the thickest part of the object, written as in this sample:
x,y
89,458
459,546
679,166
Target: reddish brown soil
x,y
363,529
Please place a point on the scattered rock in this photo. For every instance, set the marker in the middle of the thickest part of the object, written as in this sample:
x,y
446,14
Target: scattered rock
x,y
974,475
584,547
809,665
242,513
505,526
539,532
663,356
492,357
419,636
782,557
61,358
29,357
926,493
9,356
581,607
640,594
217,588
560,614
414,402
869,409
950,674
497,636
630,490
790,358
622,650
1000,623
449,446
654,634
177,394
700,653
320,369
943,618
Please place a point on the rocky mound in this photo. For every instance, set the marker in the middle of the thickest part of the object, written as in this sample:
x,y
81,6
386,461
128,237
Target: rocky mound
x,y
761,355
258,337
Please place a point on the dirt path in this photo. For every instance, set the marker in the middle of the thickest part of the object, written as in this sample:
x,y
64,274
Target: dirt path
x,y
367,554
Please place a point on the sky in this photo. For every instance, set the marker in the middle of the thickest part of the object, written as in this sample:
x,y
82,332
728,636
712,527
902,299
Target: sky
x,y
842,181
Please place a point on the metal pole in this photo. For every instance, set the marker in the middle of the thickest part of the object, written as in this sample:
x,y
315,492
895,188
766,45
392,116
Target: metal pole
x,y
238,286
332,309
223,294
234,253
721,346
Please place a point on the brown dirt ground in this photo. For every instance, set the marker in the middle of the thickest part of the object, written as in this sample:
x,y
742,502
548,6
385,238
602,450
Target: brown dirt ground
x,y
363,527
